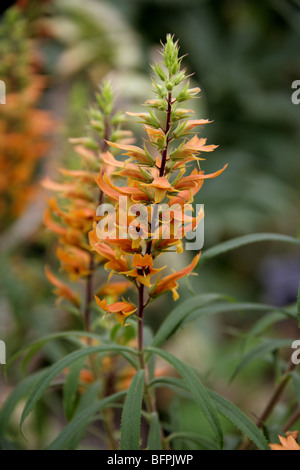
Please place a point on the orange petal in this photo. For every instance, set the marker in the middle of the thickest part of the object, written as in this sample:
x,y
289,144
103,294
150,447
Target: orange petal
x,y
62,289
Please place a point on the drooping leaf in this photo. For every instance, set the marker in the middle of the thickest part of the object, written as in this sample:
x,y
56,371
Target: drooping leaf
x,y
179,313
19,392
260,351
263,323
246,240
71,387
225,408
34,347
241,421
46,378
198,391
227,307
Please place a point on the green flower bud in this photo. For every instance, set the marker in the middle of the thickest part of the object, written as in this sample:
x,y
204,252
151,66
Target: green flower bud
x,y
170,54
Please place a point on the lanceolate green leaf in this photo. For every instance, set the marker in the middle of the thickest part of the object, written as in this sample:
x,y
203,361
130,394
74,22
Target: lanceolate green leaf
x,y
263,323
80,422
237,417
197,390
225,307
131,416
178,315
46,378
19,392
205,304
37,345
225,408
260,351
246,240
154,437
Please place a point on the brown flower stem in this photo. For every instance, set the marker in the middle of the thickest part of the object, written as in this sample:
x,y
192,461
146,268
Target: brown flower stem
x,y
104,148
277,394
293,419
162,168
274,399
150,403
168,124
148,398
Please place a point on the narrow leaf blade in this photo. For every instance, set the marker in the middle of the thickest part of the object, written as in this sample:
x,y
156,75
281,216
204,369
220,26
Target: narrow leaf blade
x,y
131,416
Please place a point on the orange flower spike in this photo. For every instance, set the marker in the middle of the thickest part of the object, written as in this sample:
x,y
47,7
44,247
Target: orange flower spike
x,y
62,290
169,283
287,443
121,310
143,269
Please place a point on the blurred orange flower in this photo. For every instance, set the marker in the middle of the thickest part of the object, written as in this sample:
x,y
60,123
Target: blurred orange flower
x,y
287,443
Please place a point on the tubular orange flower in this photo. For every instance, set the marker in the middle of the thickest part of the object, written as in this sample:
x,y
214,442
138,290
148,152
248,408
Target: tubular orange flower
x,y
190,181
62,290
135,153
287,443
169,282
114,289
74,261
121,310
161,186
86,376
142,269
